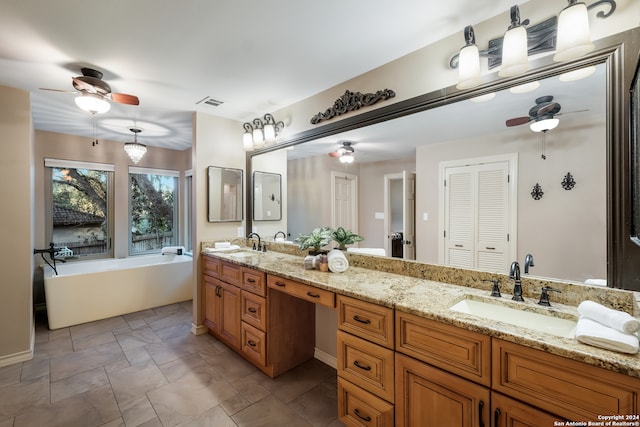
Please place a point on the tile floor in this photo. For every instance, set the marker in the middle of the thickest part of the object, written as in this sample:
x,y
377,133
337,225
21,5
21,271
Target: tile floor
x,y
148,369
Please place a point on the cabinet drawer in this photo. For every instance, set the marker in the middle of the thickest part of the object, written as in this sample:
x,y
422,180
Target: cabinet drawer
x,y
254,281
254,344
565,387
211,266
300,290
453,349
366,320
358,408
230,273
254,310
367,365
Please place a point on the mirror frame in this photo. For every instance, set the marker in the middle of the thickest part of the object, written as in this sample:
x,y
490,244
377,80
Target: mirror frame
x,y
278,197
619,53
240,198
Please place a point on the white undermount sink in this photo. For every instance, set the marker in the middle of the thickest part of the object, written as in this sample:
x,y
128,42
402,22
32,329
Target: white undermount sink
x,y
545,323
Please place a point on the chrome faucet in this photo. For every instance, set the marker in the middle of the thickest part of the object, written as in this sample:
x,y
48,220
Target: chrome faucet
x,y
259,248
514,273
528,262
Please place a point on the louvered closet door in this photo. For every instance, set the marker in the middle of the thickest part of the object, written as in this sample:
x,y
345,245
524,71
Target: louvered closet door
x,y
492,217
459,217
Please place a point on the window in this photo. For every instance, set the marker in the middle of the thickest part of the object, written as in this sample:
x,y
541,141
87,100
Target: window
x,y
188,201
79,219
153,202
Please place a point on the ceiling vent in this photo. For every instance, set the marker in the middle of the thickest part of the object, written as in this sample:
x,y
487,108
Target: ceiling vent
x,y
210,101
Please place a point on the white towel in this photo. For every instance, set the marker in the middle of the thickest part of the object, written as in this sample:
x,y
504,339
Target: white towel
x,y
221,245
368,251
279,239
593,333
172,250
338,263
618,320
227,249
596,282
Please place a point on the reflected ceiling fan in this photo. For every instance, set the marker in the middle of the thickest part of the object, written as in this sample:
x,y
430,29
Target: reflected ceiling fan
x,y
95,92
344,153
542,115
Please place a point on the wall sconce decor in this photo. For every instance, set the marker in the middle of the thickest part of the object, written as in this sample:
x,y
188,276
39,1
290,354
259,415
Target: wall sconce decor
x,y
568,182
134,149
537,192
568,34
261,133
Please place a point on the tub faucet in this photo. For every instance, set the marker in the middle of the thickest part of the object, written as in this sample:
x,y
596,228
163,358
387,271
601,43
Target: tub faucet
x,y
514,273
259,247
528,262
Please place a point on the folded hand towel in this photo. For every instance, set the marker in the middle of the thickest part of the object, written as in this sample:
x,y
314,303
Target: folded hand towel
x,y
338,263
227,249
221,245
596,282
615,319
368,251
279,239
593,333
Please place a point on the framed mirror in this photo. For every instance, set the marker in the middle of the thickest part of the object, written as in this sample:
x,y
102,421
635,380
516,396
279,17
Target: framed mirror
x,y
267,196
635,156
225,194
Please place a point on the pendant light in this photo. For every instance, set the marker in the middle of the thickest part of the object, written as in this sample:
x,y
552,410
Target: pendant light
x,y
574,38
515,55
134,149
469,62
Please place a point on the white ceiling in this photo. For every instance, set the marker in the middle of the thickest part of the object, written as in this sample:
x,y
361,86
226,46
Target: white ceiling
x,y
255,56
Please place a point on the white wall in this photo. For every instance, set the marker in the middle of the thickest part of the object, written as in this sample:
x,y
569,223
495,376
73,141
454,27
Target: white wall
x,y
16,227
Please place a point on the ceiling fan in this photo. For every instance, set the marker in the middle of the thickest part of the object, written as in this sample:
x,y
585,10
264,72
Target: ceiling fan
x,y
345,152
540,115
94,92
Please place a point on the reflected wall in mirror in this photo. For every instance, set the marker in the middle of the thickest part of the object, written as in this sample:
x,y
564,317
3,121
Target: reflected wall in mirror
x,y
267,196
565,230
225,194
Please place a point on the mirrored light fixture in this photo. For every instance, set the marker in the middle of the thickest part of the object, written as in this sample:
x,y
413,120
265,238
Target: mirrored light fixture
x,y
544,124
469,62
134,149
525,87
92,103
260,133
515,51
580,73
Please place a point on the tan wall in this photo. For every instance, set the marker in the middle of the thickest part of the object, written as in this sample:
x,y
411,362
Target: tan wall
x,y
72,147
16,227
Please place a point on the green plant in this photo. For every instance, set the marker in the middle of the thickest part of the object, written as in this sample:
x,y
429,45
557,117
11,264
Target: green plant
x,y
345,237
318,238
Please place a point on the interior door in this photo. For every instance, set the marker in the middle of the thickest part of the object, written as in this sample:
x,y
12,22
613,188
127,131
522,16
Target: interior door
x,y
345,201
409,214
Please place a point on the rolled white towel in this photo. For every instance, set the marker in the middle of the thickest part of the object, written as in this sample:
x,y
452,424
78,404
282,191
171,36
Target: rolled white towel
x,y
338,263
618,320
179,250
596,334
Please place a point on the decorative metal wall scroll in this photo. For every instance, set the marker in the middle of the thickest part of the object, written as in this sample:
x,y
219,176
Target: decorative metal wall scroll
x,y
537,192
568,182
351,101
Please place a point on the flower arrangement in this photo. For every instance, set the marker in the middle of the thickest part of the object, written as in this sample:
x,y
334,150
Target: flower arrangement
x,y
345,237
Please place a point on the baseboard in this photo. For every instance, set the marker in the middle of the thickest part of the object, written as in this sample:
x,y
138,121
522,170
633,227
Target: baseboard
x,y
198,330
326,358
22,356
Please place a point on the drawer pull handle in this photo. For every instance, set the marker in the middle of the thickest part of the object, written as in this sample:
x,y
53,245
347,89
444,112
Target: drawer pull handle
x,y
251,343
459,246
313,295
252,310
365,417
250,280
496,417
480,408
363,367
365,321
280,284
490,248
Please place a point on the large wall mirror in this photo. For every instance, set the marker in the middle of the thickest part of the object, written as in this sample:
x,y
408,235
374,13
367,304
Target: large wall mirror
x,y
225,194
573,231
267,196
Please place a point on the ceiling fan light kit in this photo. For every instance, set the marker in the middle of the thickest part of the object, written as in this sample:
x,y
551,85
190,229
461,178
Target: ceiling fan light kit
x,y
92,103
544,125
568,34
134,149
344,153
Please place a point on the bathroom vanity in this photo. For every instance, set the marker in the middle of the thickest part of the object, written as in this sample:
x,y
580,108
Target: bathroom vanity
x,y
405,357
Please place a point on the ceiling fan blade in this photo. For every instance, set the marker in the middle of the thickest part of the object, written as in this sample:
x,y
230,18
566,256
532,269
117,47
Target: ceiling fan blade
x,y
547,108
574,111
59,90
517,121
123,98
335,154
82,85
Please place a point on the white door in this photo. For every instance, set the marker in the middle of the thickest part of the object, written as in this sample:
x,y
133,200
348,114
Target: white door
x,y
458,218
344,201
409,214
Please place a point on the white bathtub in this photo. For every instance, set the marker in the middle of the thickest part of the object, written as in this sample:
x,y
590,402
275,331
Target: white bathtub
x,y
85,291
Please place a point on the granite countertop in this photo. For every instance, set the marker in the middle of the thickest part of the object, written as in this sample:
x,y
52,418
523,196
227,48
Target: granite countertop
x,y
432,299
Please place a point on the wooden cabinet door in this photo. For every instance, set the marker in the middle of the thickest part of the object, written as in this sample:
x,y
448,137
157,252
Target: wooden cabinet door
x,y
212,305
429,397
229,328
507,412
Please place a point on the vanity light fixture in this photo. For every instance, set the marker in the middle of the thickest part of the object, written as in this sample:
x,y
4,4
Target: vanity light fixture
x,y
134,149
92,103
515,51
261,133
568,34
